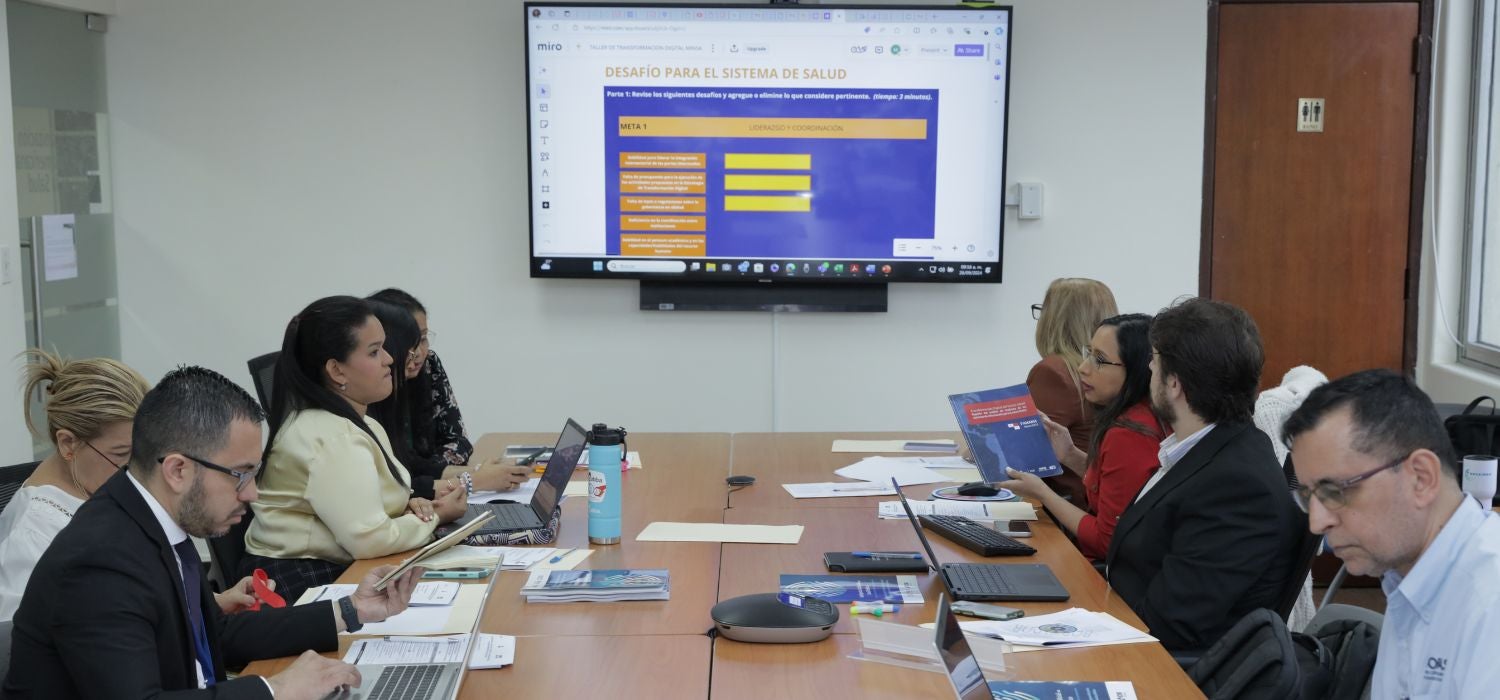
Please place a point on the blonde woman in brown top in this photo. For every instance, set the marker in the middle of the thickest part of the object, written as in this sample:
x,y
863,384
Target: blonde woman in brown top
x,y
1066,319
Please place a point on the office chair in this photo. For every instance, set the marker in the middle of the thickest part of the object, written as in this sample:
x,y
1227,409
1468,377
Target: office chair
x,y
11,479
262,371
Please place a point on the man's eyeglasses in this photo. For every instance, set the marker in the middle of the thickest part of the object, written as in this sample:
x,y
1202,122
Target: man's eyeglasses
x,y
1095,358
1335,494
1036,312
106,457
242,478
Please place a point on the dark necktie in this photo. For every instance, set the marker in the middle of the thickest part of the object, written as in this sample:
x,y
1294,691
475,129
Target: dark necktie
x,y
192,577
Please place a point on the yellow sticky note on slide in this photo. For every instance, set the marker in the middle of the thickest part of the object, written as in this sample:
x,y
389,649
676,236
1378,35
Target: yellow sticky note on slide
x,y
720,532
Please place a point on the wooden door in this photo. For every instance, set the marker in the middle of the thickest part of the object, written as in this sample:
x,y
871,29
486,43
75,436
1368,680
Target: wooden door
x,y
1317,234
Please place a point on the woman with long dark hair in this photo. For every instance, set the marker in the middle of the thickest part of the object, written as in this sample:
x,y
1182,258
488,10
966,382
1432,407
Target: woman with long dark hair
x,y
431,475
1115,375
435,444
332,490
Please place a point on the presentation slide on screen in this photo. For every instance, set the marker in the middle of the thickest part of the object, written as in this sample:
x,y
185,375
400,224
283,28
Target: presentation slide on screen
x,y
829,136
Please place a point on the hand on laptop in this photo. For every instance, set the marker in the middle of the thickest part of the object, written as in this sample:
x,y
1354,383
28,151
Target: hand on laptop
x,y
452,505
312,677
500,478
375,606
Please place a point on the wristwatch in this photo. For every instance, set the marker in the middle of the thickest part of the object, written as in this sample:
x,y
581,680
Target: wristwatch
x,y
351,616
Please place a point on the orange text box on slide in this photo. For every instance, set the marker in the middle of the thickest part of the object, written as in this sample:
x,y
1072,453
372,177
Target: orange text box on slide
x,y
662,223
662,183
648,245
663,160
665,205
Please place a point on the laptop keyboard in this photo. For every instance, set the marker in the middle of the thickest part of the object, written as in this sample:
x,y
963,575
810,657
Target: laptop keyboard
x,y
980,579
974,536
406,682
512,518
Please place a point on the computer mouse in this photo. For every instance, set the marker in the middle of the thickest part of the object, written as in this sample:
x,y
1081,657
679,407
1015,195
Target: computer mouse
x,y
740,480
775,618
977,488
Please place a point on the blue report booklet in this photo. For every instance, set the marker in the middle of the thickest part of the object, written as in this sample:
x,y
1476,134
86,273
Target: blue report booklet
x,y
1062,690
848,589
1004,429
567,586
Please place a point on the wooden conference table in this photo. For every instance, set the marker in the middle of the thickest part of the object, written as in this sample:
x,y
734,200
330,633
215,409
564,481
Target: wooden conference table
x,y
659,649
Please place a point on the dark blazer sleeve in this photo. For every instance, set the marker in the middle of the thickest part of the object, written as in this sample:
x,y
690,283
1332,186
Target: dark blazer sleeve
x,y
1226,533
107,640
273,633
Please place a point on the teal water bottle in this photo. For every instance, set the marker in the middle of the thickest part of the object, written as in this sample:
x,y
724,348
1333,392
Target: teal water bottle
x,y
606,469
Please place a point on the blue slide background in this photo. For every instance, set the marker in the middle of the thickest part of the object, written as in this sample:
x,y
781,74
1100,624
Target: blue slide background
x,y
866,192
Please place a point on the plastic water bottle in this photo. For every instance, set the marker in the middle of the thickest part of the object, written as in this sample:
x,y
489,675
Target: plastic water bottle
x,y
606,469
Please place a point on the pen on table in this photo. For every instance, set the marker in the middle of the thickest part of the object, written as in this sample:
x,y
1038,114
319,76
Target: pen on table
x,y
876,609
559,557
887,555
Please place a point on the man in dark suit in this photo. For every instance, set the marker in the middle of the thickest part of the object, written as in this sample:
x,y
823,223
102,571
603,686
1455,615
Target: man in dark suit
x,y
118,606
1214,533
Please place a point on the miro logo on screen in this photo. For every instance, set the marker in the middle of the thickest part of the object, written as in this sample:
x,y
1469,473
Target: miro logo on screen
x,y
544,46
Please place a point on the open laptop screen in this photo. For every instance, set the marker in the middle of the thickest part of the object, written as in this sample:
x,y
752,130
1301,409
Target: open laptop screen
x,y
560,467
932,560
958,658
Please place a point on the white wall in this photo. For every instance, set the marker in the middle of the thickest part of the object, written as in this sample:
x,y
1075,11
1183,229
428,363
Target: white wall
x,y
15,442
1438,369
272,152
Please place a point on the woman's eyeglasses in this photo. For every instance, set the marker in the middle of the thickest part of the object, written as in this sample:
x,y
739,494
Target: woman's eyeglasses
x,y
1096,359
1036,312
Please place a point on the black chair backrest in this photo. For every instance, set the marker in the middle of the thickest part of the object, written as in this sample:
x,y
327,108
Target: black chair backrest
x,y
1255,659
262,370
229,551
11,479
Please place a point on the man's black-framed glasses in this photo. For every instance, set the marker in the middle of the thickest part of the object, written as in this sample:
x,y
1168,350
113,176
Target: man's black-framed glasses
x,y
242,478
1335,494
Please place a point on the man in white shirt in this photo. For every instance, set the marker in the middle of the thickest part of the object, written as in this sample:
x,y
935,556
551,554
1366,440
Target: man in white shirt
x,y
118,605
1380,481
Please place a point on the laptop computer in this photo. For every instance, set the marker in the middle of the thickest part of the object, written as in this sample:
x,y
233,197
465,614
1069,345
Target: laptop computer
x,y
516,517
964,673
988,581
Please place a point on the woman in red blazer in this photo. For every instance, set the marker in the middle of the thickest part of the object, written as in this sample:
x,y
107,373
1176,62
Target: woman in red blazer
x,y
1115,375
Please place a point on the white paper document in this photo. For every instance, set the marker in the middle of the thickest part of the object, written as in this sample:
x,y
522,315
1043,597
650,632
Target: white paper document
x,y
562,560
839,489
577,487
973,510
632,460
489,650
913,445
59,253
493,651
461,556
1070,627
426,592
720,532
882,469
457,617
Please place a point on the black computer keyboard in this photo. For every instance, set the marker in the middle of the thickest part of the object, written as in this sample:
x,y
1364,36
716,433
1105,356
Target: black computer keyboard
x,y
974,536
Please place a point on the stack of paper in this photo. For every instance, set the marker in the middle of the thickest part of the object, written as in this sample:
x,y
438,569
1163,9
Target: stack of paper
x,y
983,511
1071,627
426,592
881,470
894,446
552,586
462,556
839,489
490,650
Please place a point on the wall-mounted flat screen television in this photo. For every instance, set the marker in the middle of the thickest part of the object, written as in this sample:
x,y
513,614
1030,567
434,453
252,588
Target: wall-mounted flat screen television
x,y
738,143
